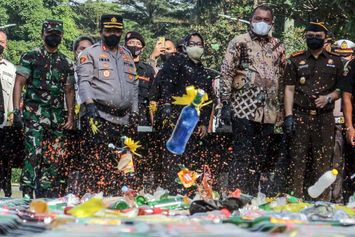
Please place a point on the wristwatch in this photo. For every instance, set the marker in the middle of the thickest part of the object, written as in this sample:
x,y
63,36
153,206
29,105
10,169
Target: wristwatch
x,y
329,99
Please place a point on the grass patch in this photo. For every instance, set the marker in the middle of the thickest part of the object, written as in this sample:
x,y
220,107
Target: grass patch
x,y
16,174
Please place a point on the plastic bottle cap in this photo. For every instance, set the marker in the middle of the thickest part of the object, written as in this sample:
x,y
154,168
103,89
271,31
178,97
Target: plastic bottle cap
x,y
124,189
335,172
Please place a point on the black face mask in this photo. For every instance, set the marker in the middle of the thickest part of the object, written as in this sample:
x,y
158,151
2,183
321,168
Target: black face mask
x,y
1,49
166,56
53,40
135,51
314,43
112,41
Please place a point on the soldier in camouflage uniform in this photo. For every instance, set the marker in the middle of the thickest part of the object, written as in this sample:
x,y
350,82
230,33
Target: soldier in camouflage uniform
x,y
48,76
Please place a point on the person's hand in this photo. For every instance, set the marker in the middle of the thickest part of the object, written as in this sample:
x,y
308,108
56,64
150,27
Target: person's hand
x,y
18,122
289,125
202,131
321,101
279,118
350,136
92,111
158,50
69,124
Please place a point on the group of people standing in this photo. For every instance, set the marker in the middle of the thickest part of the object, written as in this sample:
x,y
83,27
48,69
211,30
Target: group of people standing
x,y
71,112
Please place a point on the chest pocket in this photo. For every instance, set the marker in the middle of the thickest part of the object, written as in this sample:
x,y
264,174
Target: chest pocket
x,y
7,82
330,70
106,72
303,74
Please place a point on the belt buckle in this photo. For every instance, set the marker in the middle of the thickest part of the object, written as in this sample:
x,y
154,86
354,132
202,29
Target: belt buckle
x,y
312,112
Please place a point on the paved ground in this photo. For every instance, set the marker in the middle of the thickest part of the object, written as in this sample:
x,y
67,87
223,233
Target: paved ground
x,y
16,193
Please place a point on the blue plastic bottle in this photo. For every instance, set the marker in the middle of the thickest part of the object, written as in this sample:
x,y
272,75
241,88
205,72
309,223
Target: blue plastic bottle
x,y
185,126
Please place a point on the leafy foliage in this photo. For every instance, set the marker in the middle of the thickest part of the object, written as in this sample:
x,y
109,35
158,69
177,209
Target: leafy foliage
x,y
170,18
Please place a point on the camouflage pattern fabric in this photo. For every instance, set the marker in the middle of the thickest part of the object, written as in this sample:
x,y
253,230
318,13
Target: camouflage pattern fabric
x,y
46,74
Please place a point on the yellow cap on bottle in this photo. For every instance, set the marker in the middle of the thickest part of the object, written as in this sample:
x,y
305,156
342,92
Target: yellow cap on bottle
x,y
335,172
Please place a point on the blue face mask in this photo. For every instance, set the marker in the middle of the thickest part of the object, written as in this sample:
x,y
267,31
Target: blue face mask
x,y
260,28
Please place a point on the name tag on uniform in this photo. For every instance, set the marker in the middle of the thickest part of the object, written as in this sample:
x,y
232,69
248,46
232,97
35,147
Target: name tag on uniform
x,y
303,66
330,65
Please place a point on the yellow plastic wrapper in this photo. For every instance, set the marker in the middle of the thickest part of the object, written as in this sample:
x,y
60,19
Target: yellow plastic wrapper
x,y
292,207
132,145
88,209
347,210
189,97
125,163
39,206
187,177
153,107
94,125
77,109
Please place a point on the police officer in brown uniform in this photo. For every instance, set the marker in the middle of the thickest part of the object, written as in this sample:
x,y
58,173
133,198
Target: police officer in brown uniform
x,y
311,82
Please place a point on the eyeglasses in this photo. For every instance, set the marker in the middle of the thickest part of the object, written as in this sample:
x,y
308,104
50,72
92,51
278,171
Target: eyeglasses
x,y
316,36
192,43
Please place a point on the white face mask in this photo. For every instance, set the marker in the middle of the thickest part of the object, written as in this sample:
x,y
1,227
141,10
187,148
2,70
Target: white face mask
x,y
194,52
260,28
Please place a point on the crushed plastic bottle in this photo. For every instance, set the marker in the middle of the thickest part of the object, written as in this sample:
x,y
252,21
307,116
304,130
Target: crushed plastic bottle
x,y
327,179
185,125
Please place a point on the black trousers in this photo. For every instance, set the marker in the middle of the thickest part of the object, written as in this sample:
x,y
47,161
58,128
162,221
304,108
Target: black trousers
x,y
194,158
5,163
98,166
311,151
349,172
253,144
12,155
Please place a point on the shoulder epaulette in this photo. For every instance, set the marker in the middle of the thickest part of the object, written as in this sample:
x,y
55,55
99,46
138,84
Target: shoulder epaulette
x,y
297,53
333,53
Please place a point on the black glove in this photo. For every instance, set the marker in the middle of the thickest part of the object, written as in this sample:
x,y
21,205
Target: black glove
x,y
91,111
226,116
166,111
2,117
18,122
163,116
289,125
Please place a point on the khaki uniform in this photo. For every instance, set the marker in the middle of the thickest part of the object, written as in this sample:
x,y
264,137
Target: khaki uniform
x,y
311,147
7,77
109,78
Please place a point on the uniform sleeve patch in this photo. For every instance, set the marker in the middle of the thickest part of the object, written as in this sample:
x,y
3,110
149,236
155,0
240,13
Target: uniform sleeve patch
x,y
83,59
297,53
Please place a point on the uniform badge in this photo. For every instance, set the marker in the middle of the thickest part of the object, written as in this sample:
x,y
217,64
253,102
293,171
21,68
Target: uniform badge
x,y
302,80
83,59
302,62
107,73
104,55
106,65
330,61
